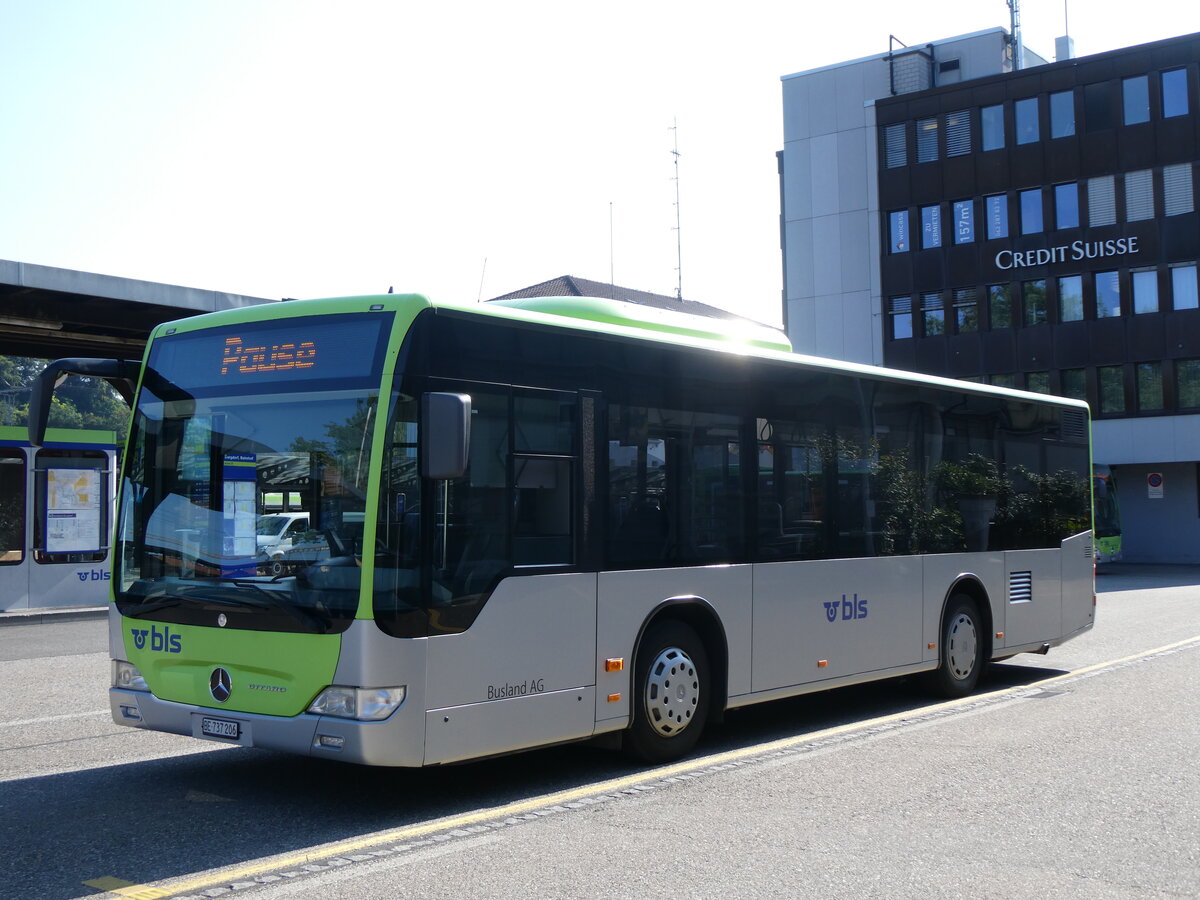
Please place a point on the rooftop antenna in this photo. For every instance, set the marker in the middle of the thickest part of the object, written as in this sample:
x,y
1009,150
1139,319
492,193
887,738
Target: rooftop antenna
x,y
479,296
1064,47
1014,9
678,231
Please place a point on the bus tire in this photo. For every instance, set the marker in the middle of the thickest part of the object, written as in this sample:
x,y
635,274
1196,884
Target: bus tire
x,y
671,693
960,657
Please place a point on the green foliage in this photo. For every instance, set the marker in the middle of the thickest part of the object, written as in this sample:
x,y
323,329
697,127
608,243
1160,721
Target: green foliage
x,y
976,476
1057,504
78,403
912,523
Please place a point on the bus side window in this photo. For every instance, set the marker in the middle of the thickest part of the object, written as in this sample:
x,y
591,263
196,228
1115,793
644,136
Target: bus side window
x,y
12,506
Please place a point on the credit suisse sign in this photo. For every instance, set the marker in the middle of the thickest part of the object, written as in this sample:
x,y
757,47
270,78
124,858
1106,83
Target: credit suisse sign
x,y
1076,250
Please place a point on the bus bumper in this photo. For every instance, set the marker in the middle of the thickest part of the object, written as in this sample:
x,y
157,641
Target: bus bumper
x,y
392,742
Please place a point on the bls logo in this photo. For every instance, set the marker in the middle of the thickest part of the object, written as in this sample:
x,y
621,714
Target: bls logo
x,y
160,642
94,575
851,609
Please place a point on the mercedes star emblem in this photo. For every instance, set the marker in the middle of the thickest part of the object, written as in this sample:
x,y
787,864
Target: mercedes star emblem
x,y
220,685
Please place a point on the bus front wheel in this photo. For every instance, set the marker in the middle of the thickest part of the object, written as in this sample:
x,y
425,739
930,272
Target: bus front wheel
x,y
671,693
960,659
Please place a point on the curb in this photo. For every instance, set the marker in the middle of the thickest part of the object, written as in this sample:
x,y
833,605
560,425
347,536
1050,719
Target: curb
x,y
45,616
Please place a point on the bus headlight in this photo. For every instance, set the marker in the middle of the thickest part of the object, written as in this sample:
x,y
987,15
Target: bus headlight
x,y
125,675
366,704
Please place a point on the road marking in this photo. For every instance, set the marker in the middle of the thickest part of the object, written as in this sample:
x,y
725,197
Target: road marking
x,y
127,888
471,823
43,719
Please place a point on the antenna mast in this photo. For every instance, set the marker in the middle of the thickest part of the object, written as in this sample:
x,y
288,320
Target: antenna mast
x,y
678,230
1014,8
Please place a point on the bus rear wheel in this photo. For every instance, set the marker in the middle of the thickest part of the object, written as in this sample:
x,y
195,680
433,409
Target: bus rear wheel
x,y
960,657
671,693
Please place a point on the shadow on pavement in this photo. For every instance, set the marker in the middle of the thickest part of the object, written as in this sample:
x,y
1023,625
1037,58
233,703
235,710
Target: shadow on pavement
x,y
150,821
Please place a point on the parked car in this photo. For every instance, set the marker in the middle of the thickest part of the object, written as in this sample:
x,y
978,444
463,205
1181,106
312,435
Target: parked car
x,y
277,532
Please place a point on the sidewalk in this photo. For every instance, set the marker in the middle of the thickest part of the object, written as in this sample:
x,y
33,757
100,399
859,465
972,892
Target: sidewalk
x,y
42,616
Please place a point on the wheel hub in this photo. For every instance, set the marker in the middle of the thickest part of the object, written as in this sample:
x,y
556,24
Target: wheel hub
x,y
672,692
962,648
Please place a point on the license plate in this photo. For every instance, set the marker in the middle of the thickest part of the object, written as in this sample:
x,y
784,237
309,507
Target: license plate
x,y
221,728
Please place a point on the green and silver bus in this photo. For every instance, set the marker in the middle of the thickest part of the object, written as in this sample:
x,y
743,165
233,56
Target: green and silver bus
x,y
1106,515
542,521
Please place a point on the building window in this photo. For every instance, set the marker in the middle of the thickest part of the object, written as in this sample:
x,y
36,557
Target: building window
x,y
1149,386
1031,211
927,140
1026,114
1062,114
1074,383
1187,383
1070,298
1097,106
1174,93
1135,94
1102,201
1183,286
898,230
999,305
1108,295
895,149
1112,389
1066,205
1033,299
991,121
931,227
1139,195
1008,381
1145,291
966,310
964,221
997,216
1038,382
958,133
933,313
900,312
1177,190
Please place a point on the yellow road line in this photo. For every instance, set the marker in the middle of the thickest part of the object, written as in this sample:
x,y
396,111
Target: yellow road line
x,y
612,785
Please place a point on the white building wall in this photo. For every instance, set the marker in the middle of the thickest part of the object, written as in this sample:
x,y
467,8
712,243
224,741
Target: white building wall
x,y
830,189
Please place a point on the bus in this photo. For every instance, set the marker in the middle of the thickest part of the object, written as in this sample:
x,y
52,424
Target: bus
x,y
543,521
56,517
1106,515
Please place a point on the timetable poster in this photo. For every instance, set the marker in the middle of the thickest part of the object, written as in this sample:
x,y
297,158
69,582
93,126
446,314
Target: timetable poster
x,y
73,508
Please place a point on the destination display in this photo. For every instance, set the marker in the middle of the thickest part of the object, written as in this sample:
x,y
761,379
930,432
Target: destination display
x,y
283,350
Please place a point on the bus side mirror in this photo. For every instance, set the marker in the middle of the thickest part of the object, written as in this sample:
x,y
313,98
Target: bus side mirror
x,y
445,435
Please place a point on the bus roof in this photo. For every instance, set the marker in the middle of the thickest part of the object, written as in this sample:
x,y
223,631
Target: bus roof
x,y
605,316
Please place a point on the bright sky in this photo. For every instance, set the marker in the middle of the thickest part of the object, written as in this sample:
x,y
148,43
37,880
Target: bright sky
x,y
294,148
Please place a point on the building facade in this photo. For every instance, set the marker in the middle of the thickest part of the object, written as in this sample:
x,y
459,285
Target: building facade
x,y
1034,229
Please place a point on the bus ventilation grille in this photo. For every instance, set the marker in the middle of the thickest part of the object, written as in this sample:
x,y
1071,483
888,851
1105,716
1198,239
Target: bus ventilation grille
x,y
1074,426
1020,587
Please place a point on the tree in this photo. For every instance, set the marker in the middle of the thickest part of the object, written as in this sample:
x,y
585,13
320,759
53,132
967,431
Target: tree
x,y
78,403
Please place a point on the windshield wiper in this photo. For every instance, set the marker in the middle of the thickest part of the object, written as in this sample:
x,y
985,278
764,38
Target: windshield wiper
x,y
280,600
148,605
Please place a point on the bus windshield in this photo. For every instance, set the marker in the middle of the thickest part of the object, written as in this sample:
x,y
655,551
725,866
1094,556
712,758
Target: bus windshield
x,y
1106,514
202,461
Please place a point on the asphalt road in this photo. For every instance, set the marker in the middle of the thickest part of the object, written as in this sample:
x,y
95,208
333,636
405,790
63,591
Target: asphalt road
x,y
1071,775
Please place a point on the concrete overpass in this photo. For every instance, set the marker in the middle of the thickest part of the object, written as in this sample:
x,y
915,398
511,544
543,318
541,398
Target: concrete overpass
x,y
50,313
